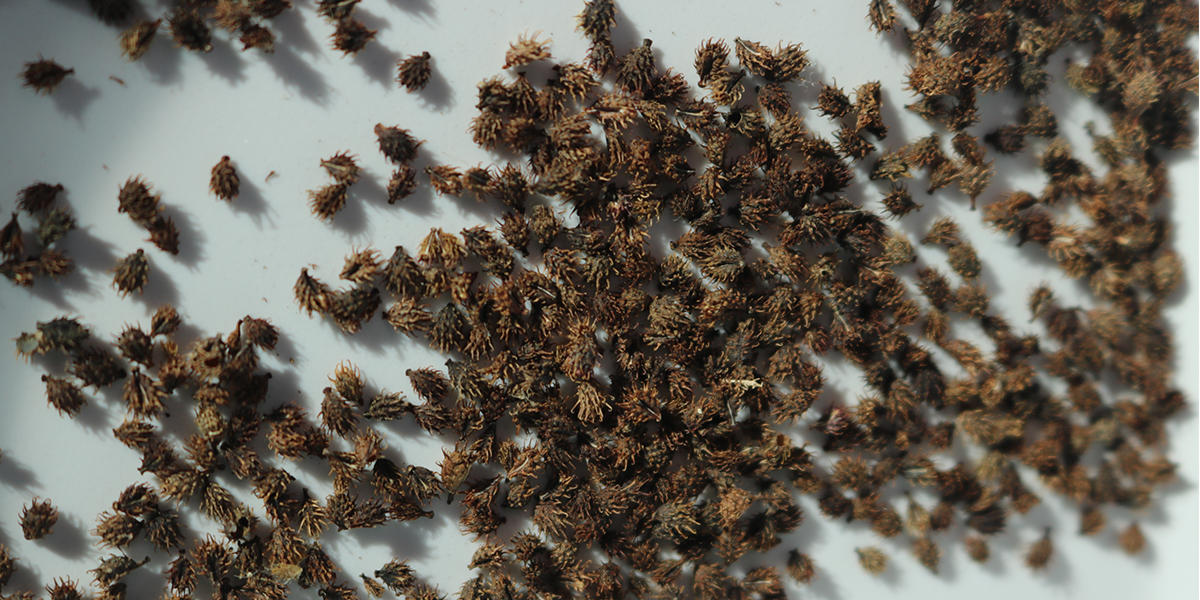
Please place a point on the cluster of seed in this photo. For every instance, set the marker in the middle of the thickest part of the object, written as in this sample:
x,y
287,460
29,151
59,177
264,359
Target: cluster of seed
x,y
136,200
190,23
23,264
643,408
350,35
219,380
661,388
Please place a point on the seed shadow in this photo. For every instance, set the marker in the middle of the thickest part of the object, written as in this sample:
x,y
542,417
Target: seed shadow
x,y
295,74
159,289
250,202
68,539
225,63
406,540
16,475
352,218
294,35
626,36
72,98
375,334
191,241
95,418
378,62
162,60
422,8
437,95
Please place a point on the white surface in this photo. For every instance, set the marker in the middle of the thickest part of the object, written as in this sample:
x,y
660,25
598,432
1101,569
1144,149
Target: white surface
x,y
179,112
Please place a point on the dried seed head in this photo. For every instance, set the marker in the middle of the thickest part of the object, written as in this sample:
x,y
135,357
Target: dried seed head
x,y
311,294
351,36
54,226
164,234
64,395
12,241
977,548
189,29
38,197
136,40
342,167
927,553
1040,552
398,145
257,36
1131,539
136,200
872,559
165,321
800,566
526,49
44,75
327,201
38,519
131,273
64,588
362,266
414,72
224,180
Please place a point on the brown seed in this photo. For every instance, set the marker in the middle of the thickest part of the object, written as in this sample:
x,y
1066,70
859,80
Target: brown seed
x,y
38,519
136,40
224,180
1131,539
131,273
44,75
1040,552
413,72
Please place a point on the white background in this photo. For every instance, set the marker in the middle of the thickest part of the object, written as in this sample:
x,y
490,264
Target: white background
x,y
178,112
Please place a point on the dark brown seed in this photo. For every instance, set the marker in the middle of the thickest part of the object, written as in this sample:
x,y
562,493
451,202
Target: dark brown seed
x,y
136,40
224,180
414,72
131,273
44,75
38,519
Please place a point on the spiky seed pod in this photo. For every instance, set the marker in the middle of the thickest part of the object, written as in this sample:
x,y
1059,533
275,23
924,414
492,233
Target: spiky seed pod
x,y
12,241
351,36
164,234
397,576
430,384
800,566
927,553
637,71
259,332
1040,552
311,294
136,345
38,519
872,559
526,49
135,41
1131,539
189,30
54,226
336,10
361,266
373,586
327,201
224,181
398,145
64,588
38,197
136,500
44,75
165,321
401,184
136,200
413,72
257,36
8,565
131,273
143,395
387,407
977,548
342,167
115,567
408,315
64,396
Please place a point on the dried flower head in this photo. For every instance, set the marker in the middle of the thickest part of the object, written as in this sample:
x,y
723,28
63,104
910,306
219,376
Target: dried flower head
x,y
224,181
414,72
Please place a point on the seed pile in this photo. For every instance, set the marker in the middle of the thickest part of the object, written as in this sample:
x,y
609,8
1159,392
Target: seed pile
x,y
23,264
644,408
